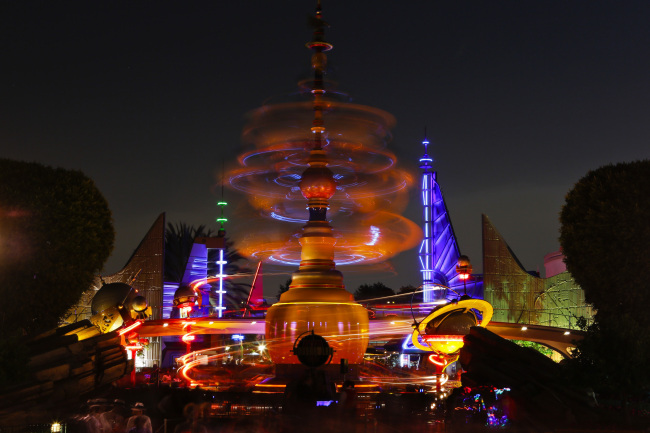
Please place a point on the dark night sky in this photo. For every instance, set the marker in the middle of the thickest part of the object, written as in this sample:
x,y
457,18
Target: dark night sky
x,y
520,98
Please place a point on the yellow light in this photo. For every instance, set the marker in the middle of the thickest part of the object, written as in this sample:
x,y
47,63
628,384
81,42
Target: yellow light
x,y
316,303
446,346
449,347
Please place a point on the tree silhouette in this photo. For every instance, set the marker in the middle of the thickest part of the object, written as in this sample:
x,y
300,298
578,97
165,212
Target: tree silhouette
x,y
372,291
179,239
408,292
605,237
56,232
283,288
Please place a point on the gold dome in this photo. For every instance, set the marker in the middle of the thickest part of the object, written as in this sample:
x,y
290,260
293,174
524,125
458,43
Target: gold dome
x,y
318,182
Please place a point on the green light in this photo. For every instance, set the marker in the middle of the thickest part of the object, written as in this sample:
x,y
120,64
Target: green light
x,y
222,220
222,203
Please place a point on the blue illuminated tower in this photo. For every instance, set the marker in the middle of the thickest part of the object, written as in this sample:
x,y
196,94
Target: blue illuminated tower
x,y
439,251
220,244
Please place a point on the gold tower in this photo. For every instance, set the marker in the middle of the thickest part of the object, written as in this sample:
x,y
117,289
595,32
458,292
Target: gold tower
x,y
317,299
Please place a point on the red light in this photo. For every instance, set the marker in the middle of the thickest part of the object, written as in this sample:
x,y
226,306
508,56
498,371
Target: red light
x,y
130,327
434,359
463,276
187,338
134,347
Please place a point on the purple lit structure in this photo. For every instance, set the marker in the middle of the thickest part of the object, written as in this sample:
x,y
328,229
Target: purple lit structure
x,y
439,251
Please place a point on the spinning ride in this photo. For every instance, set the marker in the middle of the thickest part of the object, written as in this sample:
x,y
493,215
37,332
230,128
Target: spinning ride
x,y
317,300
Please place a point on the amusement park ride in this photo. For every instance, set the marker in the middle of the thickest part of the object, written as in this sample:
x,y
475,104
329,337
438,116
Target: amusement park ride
x,y
331,153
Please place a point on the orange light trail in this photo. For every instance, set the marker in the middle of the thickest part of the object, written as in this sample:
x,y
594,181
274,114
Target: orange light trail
x,y
131,327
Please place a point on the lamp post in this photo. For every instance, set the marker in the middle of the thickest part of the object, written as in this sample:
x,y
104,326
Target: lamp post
x,y
464,270
240,338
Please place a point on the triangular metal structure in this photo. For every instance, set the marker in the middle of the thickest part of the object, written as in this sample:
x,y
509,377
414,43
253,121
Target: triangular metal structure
x,y
439,251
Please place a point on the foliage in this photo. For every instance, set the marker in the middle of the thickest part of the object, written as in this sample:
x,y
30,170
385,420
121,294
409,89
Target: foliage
x,y
407,289
179,239
283,288
371,291
56,232
409,296
13,359
605,236
544,350
612,361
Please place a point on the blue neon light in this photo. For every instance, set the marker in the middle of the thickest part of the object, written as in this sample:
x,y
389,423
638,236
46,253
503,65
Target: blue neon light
x,y
221,262
375,232
169,289
287,219
439,251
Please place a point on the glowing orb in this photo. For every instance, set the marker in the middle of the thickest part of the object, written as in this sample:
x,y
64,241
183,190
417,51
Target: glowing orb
x,y
318,182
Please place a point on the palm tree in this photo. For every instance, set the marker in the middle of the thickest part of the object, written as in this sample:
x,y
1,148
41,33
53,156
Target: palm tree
x,y
179,239
283,288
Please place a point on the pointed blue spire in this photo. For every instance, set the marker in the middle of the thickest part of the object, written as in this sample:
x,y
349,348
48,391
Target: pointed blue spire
x,y
439,251
426,161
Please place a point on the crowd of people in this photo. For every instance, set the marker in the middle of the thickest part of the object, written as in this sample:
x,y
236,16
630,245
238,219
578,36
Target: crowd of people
x,y
103,416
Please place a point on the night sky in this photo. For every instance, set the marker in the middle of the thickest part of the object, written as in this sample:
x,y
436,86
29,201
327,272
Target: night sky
x,y
520,99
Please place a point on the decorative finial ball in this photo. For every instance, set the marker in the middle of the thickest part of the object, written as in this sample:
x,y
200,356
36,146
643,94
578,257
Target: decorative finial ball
x,y
318,182
139,304
463,261
184,296
109,295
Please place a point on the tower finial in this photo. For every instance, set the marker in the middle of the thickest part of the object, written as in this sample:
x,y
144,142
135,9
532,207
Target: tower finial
x,y
425,142
318,62
222,203
426,160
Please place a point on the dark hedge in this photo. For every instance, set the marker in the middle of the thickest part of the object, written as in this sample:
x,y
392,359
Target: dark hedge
x,y
56,232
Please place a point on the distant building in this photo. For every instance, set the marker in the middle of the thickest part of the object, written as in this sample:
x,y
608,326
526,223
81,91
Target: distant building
x,y
518,296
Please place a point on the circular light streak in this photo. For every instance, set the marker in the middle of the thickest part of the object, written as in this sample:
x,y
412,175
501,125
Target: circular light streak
x,y
369,194
449,344
372,238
